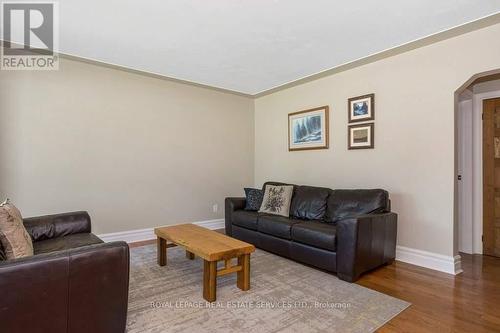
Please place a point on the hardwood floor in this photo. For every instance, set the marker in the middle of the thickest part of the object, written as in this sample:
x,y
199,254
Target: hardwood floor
x,y
468,302
148,242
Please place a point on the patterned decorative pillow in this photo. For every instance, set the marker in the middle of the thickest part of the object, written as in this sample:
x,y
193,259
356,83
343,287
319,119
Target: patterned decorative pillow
x,y
277,200
2,253
254,198
15,239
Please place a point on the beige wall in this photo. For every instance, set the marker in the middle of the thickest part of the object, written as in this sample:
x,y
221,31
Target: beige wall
x,y
134,151
137,152
414,133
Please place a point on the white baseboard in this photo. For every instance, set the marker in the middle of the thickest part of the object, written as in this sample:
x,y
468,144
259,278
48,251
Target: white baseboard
x,y
439,262
435,261
140,235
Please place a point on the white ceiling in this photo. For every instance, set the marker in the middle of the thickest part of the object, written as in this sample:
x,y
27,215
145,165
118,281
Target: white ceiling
x,y
254,45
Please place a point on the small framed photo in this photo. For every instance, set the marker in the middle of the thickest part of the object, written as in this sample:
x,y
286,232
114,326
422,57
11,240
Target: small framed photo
x,y
308,129
361,108
361,136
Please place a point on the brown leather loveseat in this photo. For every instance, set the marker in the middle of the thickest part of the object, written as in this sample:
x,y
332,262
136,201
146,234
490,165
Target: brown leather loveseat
x,y
74,283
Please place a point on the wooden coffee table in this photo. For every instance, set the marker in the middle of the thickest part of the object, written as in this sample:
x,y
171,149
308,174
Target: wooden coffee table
x,y
211,246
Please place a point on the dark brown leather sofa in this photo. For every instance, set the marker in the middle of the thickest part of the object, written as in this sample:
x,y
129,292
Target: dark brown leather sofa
x,y
74,283
344,231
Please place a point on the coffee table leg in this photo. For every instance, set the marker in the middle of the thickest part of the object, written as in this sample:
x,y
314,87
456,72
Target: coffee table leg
x,y
161,251
189,255
209,280
243,278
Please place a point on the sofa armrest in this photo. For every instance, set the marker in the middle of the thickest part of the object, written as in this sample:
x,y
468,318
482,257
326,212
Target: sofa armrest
x,y
58,225
79,290
364,243
231,205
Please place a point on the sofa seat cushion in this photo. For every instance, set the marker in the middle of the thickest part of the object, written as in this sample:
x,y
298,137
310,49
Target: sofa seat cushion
x,y
278,226
245,219
65,242
344,204
309,202
315,233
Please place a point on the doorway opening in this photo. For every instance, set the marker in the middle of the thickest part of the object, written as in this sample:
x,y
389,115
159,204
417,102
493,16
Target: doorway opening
x,y
491,177
478,166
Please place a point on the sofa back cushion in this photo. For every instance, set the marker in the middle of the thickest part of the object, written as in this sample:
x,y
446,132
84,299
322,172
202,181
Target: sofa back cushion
x,y
350,203
309,202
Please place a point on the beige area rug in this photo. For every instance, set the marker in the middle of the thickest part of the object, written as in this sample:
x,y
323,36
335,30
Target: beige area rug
x,y
285,296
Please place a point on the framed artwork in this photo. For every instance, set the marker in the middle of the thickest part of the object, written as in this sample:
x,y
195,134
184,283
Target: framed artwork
x,y
361,136
361,108
308,129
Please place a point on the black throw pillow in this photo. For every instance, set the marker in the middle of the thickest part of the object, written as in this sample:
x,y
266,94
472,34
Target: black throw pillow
x,y
254,198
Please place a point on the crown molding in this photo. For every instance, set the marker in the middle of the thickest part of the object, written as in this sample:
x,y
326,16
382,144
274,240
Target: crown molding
x,y
152,74
478,24
95,62
412,45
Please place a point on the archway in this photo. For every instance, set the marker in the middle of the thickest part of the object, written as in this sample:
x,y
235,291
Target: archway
x,y
468,199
